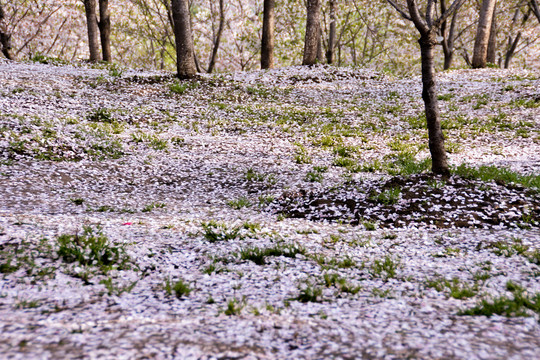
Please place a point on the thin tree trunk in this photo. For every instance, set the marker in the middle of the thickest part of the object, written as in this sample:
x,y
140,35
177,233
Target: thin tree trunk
x,y
331,33
535,9
267,44
92,27
512,45
492,43
479,59
105,29
428,41
312,32
217,40
185,54
448,39
5,37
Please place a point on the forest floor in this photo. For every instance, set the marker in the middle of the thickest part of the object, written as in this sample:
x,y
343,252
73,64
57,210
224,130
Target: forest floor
x,y
284,214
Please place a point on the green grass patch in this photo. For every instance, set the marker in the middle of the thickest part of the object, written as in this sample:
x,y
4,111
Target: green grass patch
x,y
455,288
92,248
519,304
387,197
309,292
216,232
501,175
100,115
239,203
385,268
259,255
179,288
180,88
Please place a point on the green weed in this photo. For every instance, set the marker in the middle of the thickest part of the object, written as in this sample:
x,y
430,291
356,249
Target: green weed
x,y
518,305
116,290
309,292
385,268
92,248
239,203
100,115
179,288
259,255
456,288
387,197
215,232
497,174
181,87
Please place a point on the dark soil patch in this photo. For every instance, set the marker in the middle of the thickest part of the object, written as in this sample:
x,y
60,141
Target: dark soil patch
x,y
418,200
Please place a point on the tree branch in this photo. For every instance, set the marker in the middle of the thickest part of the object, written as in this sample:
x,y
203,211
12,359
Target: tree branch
x,y
417,18
453,8
535,8
399,10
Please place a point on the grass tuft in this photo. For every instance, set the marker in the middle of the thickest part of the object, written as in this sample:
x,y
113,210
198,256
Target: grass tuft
x,y
92,248
497,174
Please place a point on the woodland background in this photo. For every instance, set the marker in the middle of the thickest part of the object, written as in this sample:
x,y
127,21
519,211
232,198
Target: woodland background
x,y
369,33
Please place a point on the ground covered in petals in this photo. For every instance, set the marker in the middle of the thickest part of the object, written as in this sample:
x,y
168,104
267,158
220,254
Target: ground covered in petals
x,y
283,214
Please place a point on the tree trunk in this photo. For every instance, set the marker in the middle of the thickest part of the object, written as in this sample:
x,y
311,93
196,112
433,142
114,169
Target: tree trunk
x,y
512,45
535,9
428,41
92,26
448,38
105,29
217,40
492,43
5,37
312,32
185,54
479,59
267,45
331,33
320,47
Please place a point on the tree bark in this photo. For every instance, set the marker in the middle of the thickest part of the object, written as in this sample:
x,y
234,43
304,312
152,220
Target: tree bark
x,y
512,45
105,29
185,54
448,38
428,26
92,27
492,43
267,44
320,47
312,32
332,33
5,37
427,42
535,8
479,59
217,39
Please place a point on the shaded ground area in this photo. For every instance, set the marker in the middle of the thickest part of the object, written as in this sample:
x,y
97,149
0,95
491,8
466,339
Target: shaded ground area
x,y
424,199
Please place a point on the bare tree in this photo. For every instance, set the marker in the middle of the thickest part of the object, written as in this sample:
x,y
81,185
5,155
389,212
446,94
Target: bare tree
x,y
267,43
185,54
479,59
105,29
428,27
520,18
313,28
217,37
5,37
448,36
535,8
92,26
331,33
